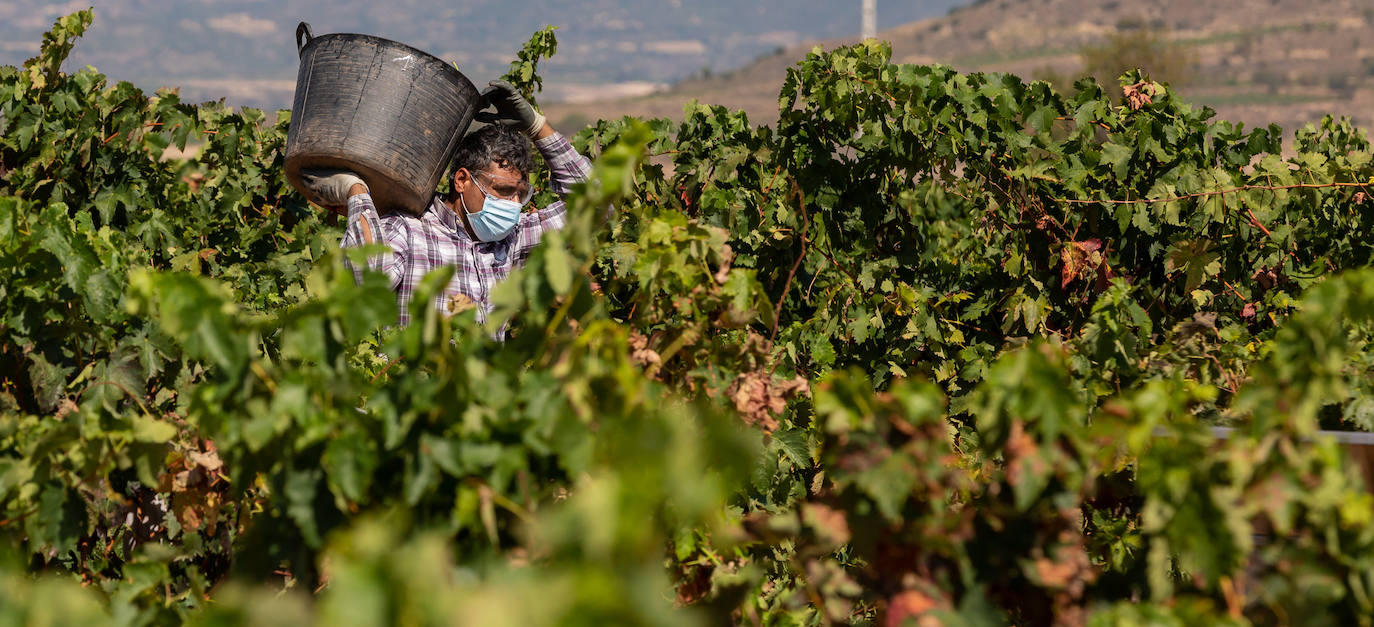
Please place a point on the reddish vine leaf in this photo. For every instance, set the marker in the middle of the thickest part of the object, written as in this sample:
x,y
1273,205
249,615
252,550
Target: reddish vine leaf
x,y
1078,258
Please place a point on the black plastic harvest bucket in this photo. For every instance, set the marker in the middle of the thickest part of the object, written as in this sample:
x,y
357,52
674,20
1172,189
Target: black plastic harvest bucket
x,y
390,113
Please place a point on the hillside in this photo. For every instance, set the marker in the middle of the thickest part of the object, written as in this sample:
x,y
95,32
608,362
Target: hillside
x,y
1257,61
244,50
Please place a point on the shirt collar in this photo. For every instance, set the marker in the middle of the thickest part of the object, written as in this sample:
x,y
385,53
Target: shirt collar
x,y
447,217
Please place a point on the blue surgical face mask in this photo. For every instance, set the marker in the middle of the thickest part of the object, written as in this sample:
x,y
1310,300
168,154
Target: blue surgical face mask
x,y
497,218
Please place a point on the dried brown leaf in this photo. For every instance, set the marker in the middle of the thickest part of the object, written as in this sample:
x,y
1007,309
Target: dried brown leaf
x,y
728,257
830,524
759,397
208,460
65,408
1139,94
911,604
189,518
458,303
640,351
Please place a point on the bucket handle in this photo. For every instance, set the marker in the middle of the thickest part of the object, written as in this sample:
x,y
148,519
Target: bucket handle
x,y
303,31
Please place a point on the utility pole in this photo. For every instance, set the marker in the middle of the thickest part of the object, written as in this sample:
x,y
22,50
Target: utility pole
x,y
870,20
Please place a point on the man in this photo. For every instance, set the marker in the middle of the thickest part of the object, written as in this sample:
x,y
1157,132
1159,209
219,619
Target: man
x,y
479,227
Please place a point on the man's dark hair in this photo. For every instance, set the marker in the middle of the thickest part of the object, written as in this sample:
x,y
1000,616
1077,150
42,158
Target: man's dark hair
x,y
502,144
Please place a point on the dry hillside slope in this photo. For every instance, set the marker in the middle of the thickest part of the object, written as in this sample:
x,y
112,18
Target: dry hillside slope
x,y
1256,61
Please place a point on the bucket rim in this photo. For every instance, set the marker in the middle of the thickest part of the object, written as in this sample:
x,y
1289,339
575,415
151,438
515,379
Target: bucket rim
x,y
389,42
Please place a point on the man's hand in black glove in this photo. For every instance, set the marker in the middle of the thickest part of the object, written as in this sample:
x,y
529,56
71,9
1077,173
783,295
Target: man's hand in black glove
x,y
332,188
511,109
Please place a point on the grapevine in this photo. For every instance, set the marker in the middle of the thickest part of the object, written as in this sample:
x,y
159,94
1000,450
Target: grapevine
x,y
934,345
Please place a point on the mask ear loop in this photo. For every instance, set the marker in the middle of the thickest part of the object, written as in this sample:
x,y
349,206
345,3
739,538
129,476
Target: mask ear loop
x,y
471,177
464,217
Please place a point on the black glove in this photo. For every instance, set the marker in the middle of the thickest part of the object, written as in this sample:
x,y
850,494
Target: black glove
x,y
329,188
511,109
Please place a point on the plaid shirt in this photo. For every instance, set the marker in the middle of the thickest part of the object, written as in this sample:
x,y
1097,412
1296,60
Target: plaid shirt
x,y
437,238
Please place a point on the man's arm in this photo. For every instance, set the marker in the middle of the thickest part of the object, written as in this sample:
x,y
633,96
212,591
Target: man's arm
x,y
566,165
336,189
365,227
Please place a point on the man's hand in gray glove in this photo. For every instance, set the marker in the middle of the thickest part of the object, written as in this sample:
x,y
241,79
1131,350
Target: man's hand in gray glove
x,y
331,188
511,109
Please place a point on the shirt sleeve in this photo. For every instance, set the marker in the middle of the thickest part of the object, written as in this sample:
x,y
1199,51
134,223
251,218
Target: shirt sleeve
x,y
566,165
365,226
566,168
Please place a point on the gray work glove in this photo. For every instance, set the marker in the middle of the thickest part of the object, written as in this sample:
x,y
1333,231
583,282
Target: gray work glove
x,y
511,109
329,188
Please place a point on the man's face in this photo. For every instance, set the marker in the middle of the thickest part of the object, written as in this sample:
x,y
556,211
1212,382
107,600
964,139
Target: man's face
x,y
501,182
